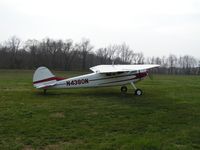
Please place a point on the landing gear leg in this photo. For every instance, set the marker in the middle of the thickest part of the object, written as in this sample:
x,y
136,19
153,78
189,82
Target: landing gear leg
x,y
138,92
123,89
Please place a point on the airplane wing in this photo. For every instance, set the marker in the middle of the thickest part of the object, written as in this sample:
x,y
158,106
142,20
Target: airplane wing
x,y
120,68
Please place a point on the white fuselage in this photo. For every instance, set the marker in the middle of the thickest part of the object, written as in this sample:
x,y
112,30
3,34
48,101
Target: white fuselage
x,y
100,80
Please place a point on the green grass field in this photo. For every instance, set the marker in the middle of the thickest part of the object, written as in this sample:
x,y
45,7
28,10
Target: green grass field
x,y
166,117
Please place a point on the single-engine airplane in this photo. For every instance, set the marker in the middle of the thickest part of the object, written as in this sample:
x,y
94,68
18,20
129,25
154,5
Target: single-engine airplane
x,y
102,76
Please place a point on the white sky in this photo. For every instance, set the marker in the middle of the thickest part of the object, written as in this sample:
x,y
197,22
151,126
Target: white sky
x,y
154,27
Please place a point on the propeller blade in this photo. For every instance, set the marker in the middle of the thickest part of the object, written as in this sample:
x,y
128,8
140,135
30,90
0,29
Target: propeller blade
x,y
150,75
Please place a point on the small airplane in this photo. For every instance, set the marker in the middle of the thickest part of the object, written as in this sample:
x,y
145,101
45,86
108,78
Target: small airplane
x,y
102,76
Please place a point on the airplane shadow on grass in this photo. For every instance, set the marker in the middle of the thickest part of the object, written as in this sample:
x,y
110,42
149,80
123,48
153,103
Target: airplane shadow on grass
x,y
108,94
83,93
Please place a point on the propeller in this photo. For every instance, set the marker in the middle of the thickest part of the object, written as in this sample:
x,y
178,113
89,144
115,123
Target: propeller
x,y
150,75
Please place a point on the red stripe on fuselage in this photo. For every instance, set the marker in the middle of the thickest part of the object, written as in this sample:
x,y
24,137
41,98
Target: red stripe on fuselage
x,y
49,79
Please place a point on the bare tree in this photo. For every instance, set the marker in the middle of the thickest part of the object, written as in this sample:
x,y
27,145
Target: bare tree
x,y
172,59
102,55
125,53
31,46
138,58
112,51
13,45
84,47
189,63
4,55
70,53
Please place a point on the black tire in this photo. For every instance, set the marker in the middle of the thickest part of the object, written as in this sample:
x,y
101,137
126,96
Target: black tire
x,y
138,92
45,91
124,89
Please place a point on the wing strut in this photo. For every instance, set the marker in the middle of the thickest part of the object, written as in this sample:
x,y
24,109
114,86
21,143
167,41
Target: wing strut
x,y
133,85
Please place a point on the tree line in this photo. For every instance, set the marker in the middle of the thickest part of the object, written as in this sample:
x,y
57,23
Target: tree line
x,y
68,55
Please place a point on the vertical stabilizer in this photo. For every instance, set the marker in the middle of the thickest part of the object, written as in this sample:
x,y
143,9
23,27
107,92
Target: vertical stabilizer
x,y
42,73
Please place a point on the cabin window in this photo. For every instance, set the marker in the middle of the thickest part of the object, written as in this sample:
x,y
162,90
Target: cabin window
x,y
113,74
120,72
133,72
110,74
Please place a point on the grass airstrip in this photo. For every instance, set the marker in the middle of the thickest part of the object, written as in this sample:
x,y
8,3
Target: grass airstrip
x,y
165,117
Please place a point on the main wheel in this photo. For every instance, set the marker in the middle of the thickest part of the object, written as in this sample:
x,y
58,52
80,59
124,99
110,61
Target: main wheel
x,y
138,92
123,89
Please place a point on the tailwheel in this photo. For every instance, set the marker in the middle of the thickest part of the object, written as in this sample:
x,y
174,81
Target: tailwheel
x,y
45,91
123,89
138,92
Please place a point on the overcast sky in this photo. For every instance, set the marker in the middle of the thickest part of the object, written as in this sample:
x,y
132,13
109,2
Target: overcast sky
x,y
154,27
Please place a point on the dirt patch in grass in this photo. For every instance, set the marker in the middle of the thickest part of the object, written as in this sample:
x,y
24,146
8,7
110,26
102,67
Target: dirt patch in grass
x,y
57,115
52,147
27,147
58,146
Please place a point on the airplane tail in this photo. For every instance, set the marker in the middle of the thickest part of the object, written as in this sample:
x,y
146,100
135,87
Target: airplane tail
x,y
42,73
43,78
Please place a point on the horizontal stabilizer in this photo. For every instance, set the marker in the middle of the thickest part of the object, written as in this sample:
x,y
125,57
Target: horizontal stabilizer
x,y
45,84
